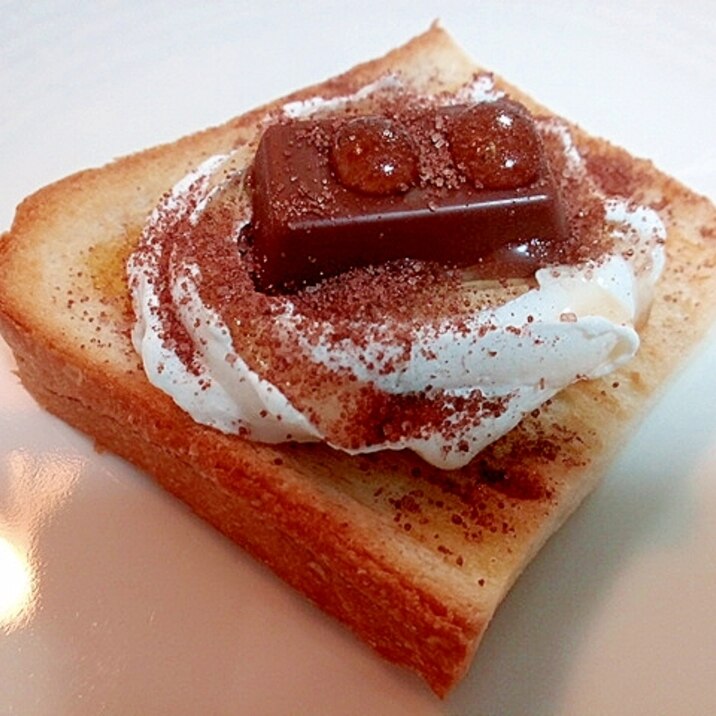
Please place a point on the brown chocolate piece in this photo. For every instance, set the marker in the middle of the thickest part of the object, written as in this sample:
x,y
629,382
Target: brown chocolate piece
x,y
312,220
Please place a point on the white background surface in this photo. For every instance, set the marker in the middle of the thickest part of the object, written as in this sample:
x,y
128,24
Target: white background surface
x,y
114,599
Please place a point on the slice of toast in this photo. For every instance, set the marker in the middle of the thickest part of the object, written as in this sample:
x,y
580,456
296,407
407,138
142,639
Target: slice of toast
x,y
413,559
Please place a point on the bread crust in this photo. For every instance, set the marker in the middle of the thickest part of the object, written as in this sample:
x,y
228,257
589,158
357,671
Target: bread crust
x,y
413,561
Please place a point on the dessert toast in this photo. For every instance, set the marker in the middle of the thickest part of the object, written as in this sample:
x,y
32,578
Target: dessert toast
x,y
413,559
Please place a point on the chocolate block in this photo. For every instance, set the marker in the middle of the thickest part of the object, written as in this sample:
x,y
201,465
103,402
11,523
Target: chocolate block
x,y
310,221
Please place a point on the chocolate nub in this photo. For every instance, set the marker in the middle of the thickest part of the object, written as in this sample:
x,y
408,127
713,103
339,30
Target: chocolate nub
x,y
317,211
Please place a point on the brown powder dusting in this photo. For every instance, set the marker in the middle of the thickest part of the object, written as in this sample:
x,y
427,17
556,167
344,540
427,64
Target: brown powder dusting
x,y
406,291
614,171
376,417
493,494
583,207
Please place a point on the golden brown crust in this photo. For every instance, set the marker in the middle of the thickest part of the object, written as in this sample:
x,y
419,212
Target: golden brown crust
x,y
413,560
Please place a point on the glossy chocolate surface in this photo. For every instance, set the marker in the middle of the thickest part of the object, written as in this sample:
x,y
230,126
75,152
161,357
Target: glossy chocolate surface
x,y
333,194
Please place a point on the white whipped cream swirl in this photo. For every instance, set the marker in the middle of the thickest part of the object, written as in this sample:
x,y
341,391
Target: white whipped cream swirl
x,y
577,323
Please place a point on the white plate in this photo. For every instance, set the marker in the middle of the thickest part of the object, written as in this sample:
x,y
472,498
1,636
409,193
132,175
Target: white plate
x,y
114,599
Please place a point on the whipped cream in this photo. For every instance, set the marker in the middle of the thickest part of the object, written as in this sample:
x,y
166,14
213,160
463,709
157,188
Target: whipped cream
x,y
577,323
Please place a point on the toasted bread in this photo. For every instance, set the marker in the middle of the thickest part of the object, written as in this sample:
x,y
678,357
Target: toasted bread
x,y
413,559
